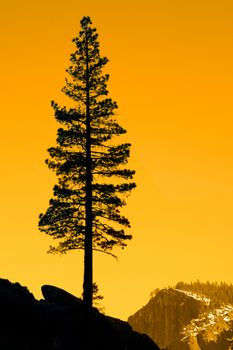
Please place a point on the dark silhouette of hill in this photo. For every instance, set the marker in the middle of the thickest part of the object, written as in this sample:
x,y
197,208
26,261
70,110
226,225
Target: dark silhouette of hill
x,y
60,321
170,310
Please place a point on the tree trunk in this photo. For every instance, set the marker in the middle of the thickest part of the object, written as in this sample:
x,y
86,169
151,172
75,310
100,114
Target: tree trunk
x,y
88,259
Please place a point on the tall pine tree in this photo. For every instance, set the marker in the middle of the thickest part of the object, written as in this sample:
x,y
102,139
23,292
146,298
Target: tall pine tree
x,y
84,212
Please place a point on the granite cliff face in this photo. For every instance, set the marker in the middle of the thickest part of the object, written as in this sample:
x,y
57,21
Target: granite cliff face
x,y
60,322
182,320
166,314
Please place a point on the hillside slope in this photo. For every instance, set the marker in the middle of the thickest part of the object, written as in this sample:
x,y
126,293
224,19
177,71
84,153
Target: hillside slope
x,y
165,315
169,316
60,322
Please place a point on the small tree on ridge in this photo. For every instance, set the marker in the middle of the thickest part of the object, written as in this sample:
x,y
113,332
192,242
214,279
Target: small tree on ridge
x,y
84,212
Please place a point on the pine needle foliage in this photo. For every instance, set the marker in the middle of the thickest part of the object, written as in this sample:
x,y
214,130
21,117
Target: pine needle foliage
x,y
84,212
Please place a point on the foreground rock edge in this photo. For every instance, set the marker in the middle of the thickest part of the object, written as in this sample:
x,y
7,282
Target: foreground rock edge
x,y
59,321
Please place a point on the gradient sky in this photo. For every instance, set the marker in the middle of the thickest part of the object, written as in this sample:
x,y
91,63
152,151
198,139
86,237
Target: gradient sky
x,y
171,73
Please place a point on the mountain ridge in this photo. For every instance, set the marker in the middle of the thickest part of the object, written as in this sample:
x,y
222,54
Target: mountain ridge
x,y
170,310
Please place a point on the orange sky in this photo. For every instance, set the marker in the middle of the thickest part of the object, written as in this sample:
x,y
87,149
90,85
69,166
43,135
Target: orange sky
x,y
172,76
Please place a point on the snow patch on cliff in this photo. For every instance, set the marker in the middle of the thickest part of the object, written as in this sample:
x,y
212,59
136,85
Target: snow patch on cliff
x,y
210,324
198,297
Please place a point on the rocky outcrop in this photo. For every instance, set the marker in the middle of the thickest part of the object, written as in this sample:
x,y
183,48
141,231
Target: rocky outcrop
x,y
182,320
166,314
60,322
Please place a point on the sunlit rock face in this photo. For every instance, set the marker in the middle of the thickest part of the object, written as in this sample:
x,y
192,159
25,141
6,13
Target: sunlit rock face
x,y
60,322
181,320
166,314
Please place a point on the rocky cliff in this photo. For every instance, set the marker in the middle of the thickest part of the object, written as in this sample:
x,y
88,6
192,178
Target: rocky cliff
x,y
182,320
60,322
166,314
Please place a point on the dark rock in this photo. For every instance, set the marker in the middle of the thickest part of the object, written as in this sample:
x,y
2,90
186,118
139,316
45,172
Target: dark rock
x,y
59,296
60,322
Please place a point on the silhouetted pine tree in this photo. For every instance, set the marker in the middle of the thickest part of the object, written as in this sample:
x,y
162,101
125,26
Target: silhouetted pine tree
x,y
84,212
